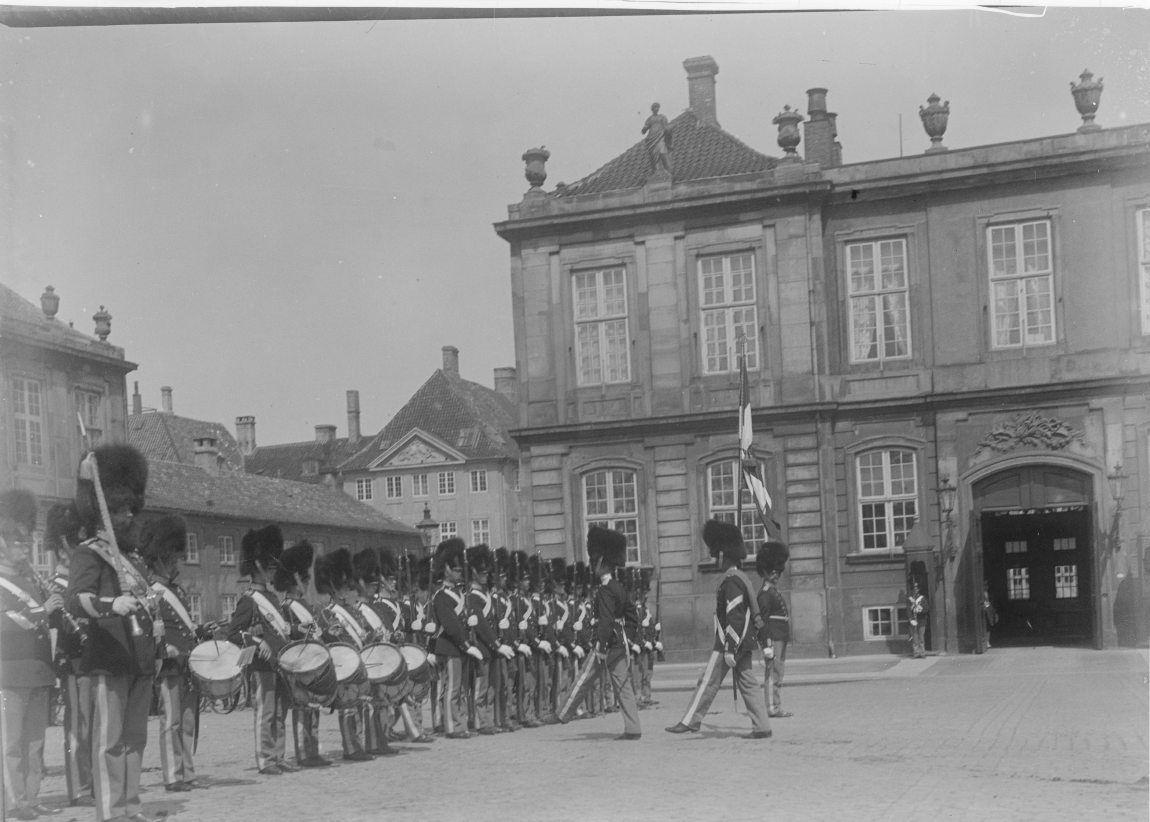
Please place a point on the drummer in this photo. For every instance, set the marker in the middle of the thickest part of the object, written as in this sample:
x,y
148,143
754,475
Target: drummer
x,y
381,624
291,579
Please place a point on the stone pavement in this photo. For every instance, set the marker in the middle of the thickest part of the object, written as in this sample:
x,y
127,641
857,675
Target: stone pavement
x,y
1014,734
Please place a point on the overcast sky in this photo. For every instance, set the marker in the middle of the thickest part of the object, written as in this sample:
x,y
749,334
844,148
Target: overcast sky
x,y
276,213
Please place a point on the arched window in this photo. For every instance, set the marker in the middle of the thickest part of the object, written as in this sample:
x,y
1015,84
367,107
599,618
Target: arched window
x,y
610,500
887,497
723,483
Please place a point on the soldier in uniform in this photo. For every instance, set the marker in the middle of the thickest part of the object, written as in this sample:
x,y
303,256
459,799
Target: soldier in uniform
x,y
646,661
523,632
413,606
25,657
607,550
770,561
736,625
453,639
481,617
423,630
290,579
381,619
165,541
562,673
258,621
505,632
541,605
108,586
62,534
584,627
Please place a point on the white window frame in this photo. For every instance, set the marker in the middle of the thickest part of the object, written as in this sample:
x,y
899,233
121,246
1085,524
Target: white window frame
x,y
895,616
196,608
479,481
1066,581
28,421
1018,583
192,549
227,545
364,489
602,331
446,483
728,311
480,531
880,298
1142,216
227,606
394,486
1013,275
616,507
90,406
722,481
447,530
419,486
894,502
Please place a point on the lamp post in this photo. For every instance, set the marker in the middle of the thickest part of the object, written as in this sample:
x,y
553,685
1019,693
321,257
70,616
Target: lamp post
x,y
427,528
946,497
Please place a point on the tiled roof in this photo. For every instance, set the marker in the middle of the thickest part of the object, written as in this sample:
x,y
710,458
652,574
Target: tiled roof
x,y
167,437
286,460
179,487
699,151
467,416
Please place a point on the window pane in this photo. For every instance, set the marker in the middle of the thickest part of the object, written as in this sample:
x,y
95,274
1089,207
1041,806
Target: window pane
x,y
742,278
723,485
586,296
595,493
1007,314
587,353
614,293
616,343
711,281
1065,581
1018,583
860,265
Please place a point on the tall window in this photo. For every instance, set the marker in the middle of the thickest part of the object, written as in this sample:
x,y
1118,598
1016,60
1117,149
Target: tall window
x,y
447,530
727,299
227,548
40,559
395,487
479,481
28,421
1065,581
227,606
480,531
196,608
1021,266
89,405
192,555
887,498
1018,583
364,489
601,353
419,485
723,483
609,499
1144,266
879,318
446,483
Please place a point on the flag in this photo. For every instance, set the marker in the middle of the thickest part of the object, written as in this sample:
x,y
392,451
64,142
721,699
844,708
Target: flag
x,y
749,466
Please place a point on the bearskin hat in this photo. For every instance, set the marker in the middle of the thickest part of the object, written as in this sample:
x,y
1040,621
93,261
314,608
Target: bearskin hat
x,y
644,580
262,545
725,539
450,552
123,477
423,573
19,506
295,562
606,545
519,567
163,539
388,567
334,571
365,565
62,522
502,562
535,566
771,558
582,576
480,559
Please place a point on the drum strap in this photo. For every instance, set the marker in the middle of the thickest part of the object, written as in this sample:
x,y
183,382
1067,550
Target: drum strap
x,y
370,617
349,624
302,614
169,596
269,613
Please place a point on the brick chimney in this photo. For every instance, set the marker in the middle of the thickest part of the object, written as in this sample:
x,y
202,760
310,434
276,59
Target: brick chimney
x,y
324,433
507,383
246,434
819,130
701,73
137,400
353,416
451,360
206,455
166,399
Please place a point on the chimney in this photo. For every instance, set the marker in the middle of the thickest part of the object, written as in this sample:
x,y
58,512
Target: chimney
x,y
206,455
324,433
353,416
819,130
246,434
506,383
166,399
451,360
701,73
137,400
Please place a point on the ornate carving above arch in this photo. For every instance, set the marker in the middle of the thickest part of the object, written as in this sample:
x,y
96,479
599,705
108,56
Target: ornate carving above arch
x,y
1034,431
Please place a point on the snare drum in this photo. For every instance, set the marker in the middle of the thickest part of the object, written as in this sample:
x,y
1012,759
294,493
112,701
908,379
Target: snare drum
x,y
216,668
386,671
309,672
350,676
418,670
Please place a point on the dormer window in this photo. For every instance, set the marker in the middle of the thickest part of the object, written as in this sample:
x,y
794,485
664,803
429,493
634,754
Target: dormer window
x,y
310,467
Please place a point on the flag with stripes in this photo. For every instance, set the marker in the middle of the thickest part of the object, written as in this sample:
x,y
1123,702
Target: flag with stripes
x,y
749,466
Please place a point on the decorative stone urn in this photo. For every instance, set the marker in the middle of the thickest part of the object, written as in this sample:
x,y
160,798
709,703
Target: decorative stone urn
x,y
536,171
50,302
1087,96
103,323
788,122
934,120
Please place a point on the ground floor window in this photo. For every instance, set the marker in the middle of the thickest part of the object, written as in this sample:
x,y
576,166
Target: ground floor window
x,y
1018,583
1065,581
885,622
610,499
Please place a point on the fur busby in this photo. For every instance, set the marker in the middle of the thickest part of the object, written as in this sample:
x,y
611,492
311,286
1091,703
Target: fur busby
x,y
535,566
423,573
294,562
724,539
771,558
503,564
557,573
123,474
334,571
480,559
164,539
606,545
365,565
450,552
260,545
388,567
582,576
644,580
19,506
62,523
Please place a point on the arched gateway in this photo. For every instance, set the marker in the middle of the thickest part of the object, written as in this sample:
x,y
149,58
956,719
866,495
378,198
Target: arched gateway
x,y
1036,524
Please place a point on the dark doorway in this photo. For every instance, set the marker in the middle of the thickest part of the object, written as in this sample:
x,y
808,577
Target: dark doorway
x,y
1037,565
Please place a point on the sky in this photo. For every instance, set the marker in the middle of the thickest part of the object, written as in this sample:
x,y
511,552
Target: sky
x,y
275,213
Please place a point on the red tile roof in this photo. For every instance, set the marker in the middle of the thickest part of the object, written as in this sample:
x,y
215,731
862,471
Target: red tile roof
x,y
170,438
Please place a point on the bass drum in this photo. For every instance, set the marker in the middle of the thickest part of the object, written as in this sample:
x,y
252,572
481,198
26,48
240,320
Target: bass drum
x,y
418,670
351,687
216,668
309,672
